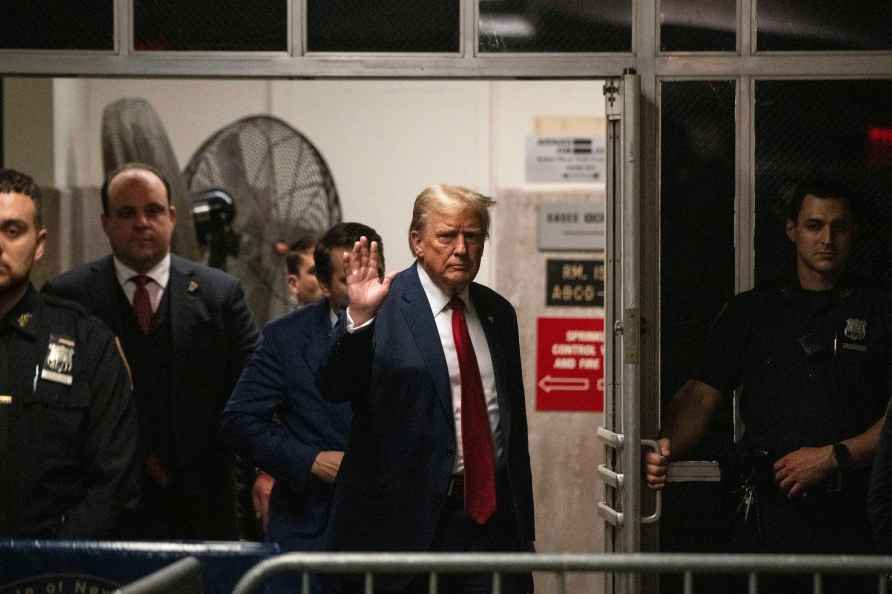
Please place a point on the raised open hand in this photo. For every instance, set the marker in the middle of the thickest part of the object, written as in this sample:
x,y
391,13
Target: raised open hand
x,y
366,288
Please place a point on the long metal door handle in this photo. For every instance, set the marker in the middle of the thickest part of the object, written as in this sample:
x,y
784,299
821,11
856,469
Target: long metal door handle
x,y
658,502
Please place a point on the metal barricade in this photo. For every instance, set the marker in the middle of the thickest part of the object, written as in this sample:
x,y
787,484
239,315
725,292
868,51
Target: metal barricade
x,y
687,565
182,577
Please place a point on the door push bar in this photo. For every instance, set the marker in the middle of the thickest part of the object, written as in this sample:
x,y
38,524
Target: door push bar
x,y
615,479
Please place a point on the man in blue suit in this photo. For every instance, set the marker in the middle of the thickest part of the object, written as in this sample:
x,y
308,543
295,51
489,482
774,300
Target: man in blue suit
x,y
437,458
276,416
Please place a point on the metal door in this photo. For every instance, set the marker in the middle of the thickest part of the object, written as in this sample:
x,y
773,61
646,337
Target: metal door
x,y
620,506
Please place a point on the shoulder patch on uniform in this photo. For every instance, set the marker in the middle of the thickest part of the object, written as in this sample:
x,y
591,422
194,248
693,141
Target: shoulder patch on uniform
x,y
124,361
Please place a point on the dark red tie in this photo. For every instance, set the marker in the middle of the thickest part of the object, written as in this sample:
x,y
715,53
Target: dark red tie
x,y
141,303
480,474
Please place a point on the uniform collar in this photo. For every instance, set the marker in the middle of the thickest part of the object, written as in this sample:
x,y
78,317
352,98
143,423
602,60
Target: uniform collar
x,y
22,316
790,287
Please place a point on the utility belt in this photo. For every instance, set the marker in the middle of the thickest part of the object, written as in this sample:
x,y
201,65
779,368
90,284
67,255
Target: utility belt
x,y
749,475
754,465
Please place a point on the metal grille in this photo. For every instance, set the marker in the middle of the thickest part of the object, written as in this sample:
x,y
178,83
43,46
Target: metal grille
x,y
801,25
69,25
282,188
555,26
698,25
382,26
697,218
696,278
206,25
827,129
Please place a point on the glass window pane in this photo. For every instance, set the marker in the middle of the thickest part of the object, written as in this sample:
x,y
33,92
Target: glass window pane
x,y
696,278
205,25
555,26
382,26
698,25
837,130
798,25
69,25
697,219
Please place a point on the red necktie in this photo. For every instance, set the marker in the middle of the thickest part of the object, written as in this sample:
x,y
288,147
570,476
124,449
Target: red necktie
x,y
141,303
476,436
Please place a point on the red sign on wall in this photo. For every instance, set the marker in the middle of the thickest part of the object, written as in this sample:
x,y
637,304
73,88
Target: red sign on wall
x,y
570,364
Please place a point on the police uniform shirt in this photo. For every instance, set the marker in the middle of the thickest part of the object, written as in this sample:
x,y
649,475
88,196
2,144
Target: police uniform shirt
x,y
67,423
813,366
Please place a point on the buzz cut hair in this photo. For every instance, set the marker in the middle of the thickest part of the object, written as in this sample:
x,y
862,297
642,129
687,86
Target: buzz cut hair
x,y
824,189
16,182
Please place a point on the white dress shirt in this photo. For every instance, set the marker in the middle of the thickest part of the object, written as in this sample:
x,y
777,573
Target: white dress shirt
x,y
159,275
439,302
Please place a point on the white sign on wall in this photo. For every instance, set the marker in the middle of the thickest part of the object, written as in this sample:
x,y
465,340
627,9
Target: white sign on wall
x,y
578,226
567,159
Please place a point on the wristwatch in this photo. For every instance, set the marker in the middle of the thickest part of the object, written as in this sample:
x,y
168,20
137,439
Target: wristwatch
x,y
842,455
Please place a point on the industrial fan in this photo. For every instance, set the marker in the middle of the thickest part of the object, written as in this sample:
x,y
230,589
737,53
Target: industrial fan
x,y
279,186
132,131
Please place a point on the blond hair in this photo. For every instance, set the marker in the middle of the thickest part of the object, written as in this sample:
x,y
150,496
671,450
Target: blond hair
x,y
445,197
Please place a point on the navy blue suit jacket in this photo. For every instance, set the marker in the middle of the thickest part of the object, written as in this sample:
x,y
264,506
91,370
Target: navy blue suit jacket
x,y
277,417
394,478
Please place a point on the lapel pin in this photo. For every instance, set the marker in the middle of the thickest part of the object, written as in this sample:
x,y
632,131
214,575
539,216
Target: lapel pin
x,y
193,286
23,320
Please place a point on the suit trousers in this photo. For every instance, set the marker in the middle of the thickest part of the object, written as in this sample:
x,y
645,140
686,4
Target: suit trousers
x,y
458,533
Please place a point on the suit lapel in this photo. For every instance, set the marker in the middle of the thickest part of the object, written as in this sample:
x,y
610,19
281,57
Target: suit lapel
x,y
316,328
416,311
492,329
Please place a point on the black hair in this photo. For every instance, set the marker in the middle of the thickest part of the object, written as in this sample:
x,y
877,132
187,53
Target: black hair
x,y
103,192
824,189
12,181
306,241
343,235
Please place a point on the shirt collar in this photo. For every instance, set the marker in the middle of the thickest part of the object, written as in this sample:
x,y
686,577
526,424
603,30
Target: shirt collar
x,y
160,273
436,297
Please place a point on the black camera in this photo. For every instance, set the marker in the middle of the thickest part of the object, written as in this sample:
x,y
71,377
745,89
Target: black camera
x,y
213,212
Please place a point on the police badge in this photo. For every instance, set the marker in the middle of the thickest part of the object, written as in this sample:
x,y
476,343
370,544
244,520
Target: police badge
x,y
856,330
59,362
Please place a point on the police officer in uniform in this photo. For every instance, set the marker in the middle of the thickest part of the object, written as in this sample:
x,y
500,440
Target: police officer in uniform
x,y
68,425
812,357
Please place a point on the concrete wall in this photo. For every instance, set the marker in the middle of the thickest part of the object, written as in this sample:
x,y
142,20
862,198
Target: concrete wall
x,y
383,140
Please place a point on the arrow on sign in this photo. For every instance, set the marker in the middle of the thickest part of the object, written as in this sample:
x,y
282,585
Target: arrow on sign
x,y
564,384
